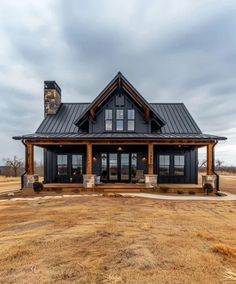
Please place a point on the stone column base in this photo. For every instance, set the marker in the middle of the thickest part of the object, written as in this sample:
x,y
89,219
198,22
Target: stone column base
x,y
150,180
89,181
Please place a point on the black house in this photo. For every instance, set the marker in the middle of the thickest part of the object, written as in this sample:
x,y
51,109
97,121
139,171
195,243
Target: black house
x,y
117,136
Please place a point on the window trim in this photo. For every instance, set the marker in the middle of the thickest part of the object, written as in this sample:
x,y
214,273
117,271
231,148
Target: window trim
x,y
62,164
164,166
178,166
129,119
119,119
108,119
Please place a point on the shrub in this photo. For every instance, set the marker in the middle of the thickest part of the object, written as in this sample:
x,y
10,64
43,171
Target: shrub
x,y
180,191
37,186
208,188
164,189
191,192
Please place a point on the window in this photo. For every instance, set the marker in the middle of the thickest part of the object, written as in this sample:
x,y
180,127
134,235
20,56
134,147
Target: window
x,y
62,164
119,119
108,119
134,159
77,164
120,100
104,166
131,119
164,165
179,165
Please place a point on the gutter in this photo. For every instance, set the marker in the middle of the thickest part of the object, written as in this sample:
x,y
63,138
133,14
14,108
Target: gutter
x,y
213,167
26,166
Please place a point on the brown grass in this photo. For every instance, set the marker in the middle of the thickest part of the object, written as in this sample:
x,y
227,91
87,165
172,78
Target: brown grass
x,y
117,240
225,250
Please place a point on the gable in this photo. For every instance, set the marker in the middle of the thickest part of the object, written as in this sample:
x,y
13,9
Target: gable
x,y
118,85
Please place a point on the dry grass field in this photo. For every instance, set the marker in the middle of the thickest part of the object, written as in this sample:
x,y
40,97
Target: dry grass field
x,y
117,240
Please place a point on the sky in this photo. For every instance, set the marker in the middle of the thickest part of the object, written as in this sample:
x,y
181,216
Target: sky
x,y
171,51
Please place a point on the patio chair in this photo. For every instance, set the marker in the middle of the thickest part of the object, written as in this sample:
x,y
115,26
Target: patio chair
x,y
139,176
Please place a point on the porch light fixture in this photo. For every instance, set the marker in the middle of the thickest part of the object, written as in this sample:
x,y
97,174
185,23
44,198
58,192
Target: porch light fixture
x,y
94,158
144,158
119,149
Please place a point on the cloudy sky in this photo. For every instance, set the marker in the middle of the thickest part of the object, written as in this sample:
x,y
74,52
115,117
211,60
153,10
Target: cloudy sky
x,y
171,51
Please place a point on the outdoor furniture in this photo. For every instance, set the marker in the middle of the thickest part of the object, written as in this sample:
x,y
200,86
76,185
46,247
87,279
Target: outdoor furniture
x,y
139,176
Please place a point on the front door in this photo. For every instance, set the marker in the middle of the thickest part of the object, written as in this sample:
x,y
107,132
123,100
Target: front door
x,y
118,165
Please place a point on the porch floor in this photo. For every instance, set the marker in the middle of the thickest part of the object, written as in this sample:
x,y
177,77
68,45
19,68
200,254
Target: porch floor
x,y
121,187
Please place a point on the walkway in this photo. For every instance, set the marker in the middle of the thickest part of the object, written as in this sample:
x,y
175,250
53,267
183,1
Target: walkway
x,y
229,196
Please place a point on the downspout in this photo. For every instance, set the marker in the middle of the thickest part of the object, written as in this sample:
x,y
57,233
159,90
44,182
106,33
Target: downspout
x,y
26,165
213,167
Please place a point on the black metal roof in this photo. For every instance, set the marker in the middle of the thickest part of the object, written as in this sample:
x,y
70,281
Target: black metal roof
x,y
179,125
177,118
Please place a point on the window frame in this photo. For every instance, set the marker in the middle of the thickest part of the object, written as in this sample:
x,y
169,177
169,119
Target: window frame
x,y
120,119
108,120
61,165
164,166
179,165
131,119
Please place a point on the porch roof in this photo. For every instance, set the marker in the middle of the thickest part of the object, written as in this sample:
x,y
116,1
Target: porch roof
x,y
118,136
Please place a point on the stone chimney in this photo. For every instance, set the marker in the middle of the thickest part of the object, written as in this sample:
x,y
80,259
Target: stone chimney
x,y
52,97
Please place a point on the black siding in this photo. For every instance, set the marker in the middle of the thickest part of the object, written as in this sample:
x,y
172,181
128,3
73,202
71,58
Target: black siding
x,y
191,164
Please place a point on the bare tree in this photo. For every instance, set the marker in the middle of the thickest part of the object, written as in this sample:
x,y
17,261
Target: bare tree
x,y
203,164
14,163
219,164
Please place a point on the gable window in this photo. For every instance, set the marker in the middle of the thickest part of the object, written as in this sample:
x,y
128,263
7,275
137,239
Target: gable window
x,y
108,119
179,165
119,119
120,100
62,164
131,119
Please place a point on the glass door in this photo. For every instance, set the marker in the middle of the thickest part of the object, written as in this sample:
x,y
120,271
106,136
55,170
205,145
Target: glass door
x,y
113,166
124,167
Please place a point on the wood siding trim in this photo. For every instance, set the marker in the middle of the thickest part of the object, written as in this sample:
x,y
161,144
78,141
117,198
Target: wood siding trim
x,y
150,159
196,143
210,159
89,159
30,159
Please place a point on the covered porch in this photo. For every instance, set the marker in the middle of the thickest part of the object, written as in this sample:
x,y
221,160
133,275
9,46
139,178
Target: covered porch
x,y
119,159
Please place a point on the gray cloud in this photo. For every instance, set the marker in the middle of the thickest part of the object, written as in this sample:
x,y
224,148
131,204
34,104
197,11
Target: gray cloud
x,y
171,52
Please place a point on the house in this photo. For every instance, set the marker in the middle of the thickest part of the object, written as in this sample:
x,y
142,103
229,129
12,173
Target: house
x,y
116,136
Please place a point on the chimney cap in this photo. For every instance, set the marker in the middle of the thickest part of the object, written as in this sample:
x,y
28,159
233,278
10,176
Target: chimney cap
x,y
52,85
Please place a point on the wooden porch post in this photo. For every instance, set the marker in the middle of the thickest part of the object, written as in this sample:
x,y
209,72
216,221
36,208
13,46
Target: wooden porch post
x,y
30,159
89,159
210,159
150,158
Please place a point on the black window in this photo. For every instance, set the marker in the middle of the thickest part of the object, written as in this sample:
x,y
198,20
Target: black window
x,y
134,160
108,119
164,165
62,164
120,100
104,166
179,163
119,119
77,164
131,120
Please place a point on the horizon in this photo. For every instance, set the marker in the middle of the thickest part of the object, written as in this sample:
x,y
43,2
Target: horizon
x,y
186,55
